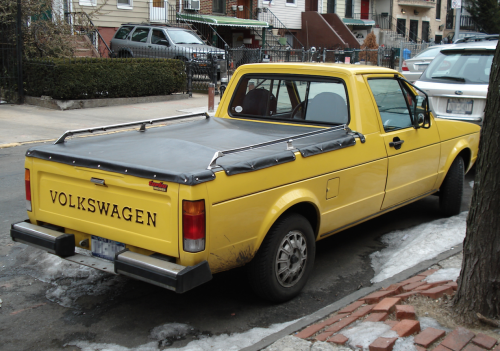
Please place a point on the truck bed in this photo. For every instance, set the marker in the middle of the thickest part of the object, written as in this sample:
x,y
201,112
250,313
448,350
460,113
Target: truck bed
x,y
181,153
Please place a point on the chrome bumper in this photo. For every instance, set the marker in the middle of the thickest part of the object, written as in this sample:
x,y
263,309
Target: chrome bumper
x,y
146,268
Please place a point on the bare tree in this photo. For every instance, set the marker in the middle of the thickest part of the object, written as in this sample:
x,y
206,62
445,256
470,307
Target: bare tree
x,y
479,281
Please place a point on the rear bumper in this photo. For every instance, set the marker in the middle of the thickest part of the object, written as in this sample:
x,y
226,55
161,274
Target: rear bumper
x,y
146,268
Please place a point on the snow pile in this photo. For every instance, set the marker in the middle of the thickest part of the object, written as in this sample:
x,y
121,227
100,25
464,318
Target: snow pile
x,y
428,322
223,342
405,344
69,280
363,334
444,274
406,248
170,330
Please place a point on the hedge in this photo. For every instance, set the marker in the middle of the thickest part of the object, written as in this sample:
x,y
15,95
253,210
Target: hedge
x,y
95,78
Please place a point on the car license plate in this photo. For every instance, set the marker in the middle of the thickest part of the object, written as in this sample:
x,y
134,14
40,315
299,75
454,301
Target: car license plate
x,y
421,66
105,248
460,106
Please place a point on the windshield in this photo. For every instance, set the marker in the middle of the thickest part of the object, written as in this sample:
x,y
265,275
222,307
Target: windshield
x,y
182,37
460,67
430,52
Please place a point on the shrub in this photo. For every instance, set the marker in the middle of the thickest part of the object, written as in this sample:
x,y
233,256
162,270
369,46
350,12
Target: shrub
x,y
83,78
370,43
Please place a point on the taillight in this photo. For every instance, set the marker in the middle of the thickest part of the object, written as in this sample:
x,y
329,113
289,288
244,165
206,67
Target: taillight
x,y
193,225
27,186
404,66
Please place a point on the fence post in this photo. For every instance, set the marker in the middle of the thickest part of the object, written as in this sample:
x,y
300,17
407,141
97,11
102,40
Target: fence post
x,y
400,55
324,54
20,88
380,53
190,79
214,73
211,93
303,54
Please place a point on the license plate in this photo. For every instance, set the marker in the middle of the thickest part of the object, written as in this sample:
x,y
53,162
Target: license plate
x,y
421,67
105,248
460,106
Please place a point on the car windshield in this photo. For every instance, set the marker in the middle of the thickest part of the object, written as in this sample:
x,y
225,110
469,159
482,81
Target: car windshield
x,y
460,67
430,52
182,37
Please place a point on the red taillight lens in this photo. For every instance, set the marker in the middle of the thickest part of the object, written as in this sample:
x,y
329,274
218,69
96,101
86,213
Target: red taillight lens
x,y
193,225
27,186
404,66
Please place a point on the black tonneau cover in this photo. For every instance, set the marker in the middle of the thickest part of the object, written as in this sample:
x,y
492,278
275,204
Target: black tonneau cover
x,y
181,152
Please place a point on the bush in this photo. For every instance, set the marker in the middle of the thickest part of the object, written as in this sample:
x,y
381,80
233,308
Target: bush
x,y
83,78
370,43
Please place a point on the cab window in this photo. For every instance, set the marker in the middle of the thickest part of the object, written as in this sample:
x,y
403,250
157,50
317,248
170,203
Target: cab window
x,y
140,35
123,32
301,99
393,102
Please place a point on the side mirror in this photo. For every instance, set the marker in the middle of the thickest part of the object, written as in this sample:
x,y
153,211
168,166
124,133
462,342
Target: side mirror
x,y
420,103
163,42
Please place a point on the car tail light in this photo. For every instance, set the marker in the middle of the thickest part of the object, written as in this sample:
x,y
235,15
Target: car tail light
x,y
404,66
27,186
193,225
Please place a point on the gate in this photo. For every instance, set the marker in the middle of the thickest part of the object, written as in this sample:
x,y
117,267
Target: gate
x,y
11,77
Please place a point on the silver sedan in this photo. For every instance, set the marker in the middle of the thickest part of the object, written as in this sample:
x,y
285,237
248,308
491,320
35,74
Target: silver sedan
x,y
413,68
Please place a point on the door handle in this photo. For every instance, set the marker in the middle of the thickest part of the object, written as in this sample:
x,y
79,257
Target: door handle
x,y
396,143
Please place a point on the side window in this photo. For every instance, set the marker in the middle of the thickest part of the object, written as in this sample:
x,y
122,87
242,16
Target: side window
x,y
392,102
327,102
140,35
123,32
157,35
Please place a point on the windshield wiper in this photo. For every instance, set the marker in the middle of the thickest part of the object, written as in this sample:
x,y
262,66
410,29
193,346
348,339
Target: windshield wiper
x,y
459,79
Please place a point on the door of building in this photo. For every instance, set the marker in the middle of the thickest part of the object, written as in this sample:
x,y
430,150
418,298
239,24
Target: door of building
x,y
425,31
330,6
311,5
246,9
413,30
365,9
401,26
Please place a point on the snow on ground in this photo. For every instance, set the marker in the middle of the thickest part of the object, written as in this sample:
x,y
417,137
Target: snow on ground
x,y
406,248
444,274
69,280
223,342
364,333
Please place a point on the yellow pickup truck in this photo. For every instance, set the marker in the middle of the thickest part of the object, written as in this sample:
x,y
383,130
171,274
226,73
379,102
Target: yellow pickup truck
x,y
296,152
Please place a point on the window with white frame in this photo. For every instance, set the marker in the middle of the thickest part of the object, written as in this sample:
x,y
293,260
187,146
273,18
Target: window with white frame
x,y
87,2
124,4
291,2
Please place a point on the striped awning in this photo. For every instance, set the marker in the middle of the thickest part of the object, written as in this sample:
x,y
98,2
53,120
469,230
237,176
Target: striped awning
x,y
223,20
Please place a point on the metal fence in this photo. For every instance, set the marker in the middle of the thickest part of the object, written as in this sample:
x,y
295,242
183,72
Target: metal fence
x,y
11,77
408,50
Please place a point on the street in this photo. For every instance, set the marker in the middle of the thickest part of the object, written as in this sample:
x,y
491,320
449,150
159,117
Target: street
x,y
47,304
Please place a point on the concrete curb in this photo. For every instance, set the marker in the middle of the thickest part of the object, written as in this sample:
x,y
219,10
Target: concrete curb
x,y
48,102
327,310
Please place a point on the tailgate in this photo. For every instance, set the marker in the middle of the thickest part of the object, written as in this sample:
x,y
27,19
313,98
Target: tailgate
x,y
134,211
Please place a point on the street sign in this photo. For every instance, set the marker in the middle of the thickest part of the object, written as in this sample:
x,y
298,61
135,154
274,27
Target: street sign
x,y
456,4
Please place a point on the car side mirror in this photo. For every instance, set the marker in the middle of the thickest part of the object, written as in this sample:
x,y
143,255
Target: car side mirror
x,y
163,42
420,106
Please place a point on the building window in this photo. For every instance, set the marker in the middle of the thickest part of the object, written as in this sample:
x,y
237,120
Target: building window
x,y
348,8
330,6
291,3
438,9
87,2
124,4
219,6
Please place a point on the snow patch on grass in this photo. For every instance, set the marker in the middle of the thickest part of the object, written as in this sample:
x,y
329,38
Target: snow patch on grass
x,y
406,248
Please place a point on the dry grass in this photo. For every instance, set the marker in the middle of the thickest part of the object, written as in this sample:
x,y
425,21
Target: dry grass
x,y
442,311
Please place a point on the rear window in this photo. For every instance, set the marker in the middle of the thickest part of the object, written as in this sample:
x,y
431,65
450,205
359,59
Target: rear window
x,y
460,68
314,100
430,52
123,32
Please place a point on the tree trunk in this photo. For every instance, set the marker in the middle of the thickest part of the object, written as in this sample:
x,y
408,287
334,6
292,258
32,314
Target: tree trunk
x,y
479,281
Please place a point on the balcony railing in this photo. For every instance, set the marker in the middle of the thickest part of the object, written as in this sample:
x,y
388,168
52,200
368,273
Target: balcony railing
x,y
363,16
418,3
466,22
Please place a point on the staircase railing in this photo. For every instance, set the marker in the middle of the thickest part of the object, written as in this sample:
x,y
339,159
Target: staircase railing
x,y
82,23
390,23
265,14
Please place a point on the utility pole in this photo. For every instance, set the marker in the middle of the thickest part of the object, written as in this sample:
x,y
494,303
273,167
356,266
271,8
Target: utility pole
x,y
457,5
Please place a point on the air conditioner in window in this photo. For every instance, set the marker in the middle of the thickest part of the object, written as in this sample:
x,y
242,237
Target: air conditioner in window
x,y
191,4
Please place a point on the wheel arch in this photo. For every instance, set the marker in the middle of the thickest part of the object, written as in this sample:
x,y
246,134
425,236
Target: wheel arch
x,y
125,51
463,150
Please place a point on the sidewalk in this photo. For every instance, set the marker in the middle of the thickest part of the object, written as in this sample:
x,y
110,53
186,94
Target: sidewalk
x,y
28,123
410,315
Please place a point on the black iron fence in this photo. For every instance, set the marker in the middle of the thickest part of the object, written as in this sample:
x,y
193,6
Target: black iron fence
x,y
11,77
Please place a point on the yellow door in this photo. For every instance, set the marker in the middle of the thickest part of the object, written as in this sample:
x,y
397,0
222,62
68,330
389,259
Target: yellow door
x,y
413,153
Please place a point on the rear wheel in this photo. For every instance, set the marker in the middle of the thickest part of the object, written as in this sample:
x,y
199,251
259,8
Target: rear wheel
x,y
284,262
451,191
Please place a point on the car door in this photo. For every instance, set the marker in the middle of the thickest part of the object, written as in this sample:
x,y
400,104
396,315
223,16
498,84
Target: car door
x,y
159,45
413,154
138,41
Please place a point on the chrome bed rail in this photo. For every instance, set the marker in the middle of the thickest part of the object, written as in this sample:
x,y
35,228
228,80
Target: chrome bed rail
x,y
288,140
129,124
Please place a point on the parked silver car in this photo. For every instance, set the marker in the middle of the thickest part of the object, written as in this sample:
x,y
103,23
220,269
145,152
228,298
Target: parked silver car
x,y
457,81
146,40
413,68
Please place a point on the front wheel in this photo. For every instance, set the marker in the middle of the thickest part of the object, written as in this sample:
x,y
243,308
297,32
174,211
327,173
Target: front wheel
x,y
284,262
451,191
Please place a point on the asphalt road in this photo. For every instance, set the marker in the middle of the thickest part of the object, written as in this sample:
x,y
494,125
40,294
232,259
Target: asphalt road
x,y
109,309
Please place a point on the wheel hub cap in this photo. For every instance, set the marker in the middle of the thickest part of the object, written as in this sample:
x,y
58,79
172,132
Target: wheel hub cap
x,y
291,259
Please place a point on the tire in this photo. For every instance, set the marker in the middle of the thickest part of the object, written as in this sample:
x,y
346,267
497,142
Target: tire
x,y
124,54
290,231
451,191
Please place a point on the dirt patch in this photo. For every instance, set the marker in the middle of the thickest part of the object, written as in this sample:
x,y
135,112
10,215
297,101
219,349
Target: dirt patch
x,y
442,311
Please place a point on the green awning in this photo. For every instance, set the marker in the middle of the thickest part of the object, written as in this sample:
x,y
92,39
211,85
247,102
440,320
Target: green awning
x,y
222,20
358,22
